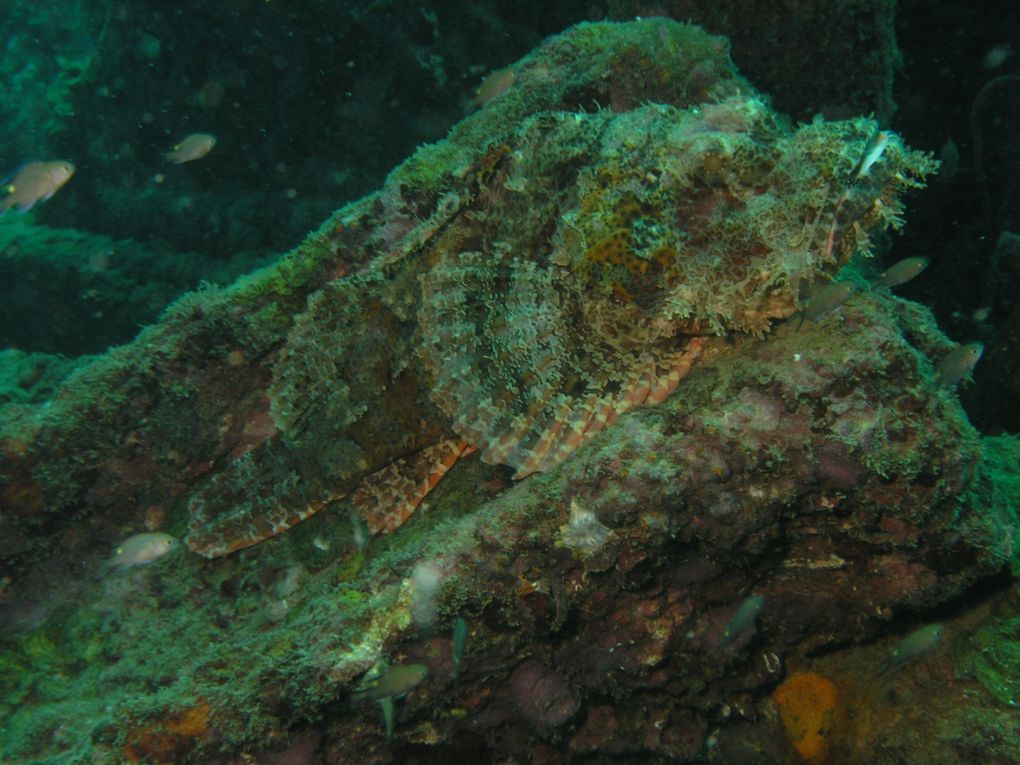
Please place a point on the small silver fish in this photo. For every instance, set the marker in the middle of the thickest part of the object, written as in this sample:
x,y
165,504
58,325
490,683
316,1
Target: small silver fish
x,y
742,619
492,87
393,683
957,364
33,183
900,273
915,644
996,56
826,299
192,147
873,152
140,550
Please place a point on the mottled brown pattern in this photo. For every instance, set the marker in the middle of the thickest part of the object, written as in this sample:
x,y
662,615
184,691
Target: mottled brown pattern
x,y
570,278
549,266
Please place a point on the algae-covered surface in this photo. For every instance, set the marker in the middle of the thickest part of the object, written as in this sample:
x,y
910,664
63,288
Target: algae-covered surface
x,y
592,286
149,663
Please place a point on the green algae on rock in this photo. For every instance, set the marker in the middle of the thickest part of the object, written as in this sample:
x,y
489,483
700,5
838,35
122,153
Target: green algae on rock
x,y
805,468
991,653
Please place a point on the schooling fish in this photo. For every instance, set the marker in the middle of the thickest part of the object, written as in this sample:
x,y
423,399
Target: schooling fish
x,y
34,182
957,364
915,644
900,273
140,550
194,146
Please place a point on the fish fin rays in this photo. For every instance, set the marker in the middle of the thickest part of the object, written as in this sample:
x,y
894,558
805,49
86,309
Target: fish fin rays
x,y
529,387
387,498
384,499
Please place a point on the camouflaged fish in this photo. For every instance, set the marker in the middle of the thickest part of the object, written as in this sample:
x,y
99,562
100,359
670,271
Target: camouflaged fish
x,y
572,277
562,258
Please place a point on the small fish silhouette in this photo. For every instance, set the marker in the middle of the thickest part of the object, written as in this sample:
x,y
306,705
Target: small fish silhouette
x,y
194,146
957,364
139,550
34,182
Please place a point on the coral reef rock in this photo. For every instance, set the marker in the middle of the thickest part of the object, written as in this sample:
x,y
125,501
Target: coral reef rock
x,y
572,308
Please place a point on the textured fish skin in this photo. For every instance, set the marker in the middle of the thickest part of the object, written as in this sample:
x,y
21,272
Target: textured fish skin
x,y
567,282
517,287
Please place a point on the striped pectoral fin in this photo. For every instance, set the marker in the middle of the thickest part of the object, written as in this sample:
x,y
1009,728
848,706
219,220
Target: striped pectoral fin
x,y
576,423
547,441
241,530
678,367
253,498
388,497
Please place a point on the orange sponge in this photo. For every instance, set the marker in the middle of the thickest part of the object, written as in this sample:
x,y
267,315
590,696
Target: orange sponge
x,y
809,707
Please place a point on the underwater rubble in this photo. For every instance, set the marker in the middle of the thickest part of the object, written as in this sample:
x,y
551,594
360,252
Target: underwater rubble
x,y
662,492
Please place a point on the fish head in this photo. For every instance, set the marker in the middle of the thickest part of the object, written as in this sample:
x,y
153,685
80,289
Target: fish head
x,y
168,542
60,172
973,352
